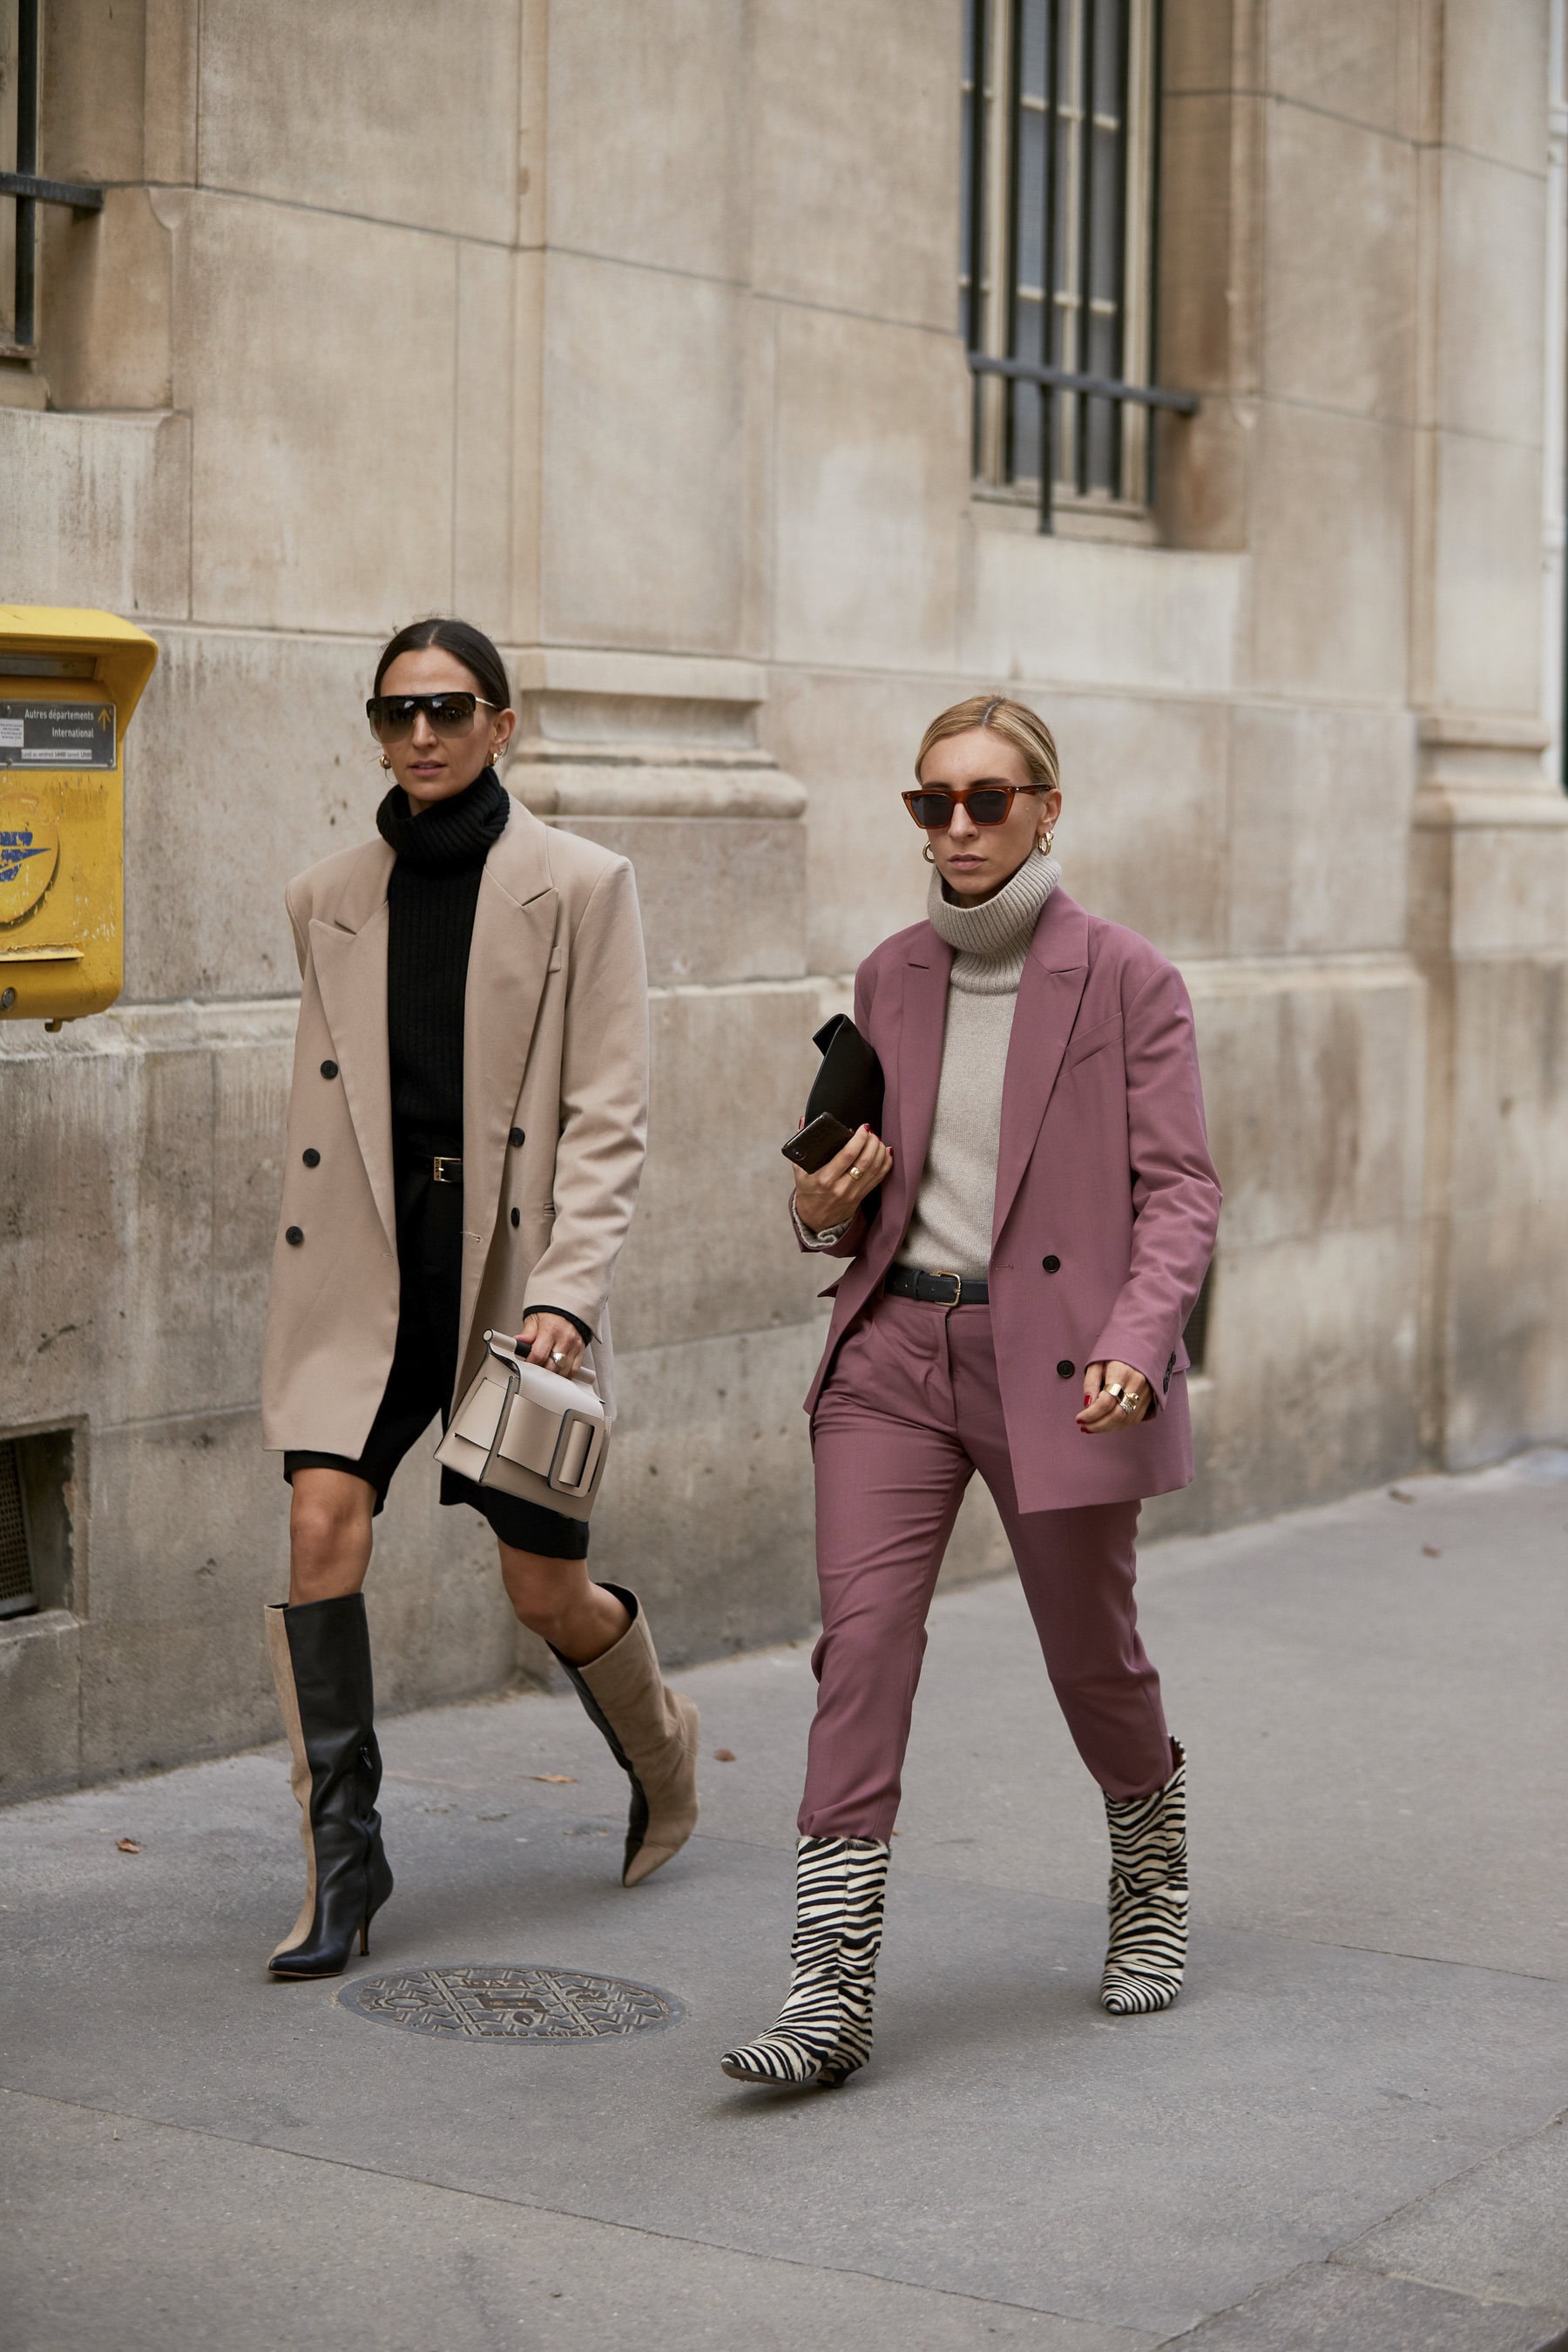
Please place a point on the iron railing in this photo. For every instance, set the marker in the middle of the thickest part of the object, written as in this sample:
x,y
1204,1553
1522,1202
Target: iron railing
x,y
1054,82
29,190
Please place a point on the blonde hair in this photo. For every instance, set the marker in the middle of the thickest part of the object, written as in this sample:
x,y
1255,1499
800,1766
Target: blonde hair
x,y
1013,721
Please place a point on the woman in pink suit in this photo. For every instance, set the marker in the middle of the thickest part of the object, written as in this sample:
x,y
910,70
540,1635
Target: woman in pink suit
x,y
1044,1214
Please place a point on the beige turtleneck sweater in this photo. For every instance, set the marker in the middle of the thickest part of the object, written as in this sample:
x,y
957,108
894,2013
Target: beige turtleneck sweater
x,y
951,1228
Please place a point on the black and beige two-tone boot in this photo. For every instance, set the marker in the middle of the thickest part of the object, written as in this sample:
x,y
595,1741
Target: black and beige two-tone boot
x,y
1148,1951
652,1734
823,2031
321,1661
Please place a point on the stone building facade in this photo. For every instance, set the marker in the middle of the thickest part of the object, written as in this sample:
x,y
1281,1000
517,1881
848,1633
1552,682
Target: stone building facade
x,y
635,334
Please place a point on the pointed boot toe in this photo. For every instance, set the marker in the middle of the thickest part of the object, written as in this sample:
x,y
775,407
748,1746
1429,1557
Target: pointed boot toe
x,y
652,1733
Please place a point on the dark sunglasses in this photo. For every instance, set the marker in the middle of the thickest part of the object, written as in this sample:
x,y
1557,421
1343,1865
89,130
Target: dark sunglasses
x,y
932,805
392,715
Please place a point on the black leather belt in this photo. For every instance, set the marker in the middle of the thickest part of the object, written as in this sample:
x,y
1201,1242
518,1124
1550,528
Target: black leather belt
x,y
936,1289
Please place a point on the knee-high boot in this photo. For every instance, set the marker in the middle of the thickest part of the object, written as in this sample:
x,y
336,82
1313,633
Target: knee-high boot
x,y
1148,1951
823,2031
652,1734
320,1660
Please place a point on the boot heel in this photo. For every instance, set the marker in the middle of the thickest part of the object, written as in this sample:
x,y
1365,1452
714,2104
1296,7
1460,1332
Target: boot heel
x,y
364,1935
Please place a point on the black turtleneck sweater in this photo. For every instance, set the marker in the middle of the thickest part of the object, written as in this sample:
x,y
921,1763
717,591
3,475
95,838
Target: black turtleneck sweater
x,y
431,897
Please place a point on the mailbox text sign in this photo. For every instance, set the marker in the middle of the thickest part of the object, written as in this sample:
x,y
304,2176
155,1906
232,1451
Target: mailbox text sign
x,y
56,734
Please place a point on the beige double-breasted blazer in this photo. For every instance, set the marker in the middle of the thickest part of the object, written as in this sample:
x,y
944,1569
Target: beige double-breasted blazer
x,y
555,1122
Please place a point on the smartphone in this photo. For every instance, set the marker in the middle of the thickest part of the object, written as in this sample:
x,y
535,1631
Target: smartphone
x,y
815,1145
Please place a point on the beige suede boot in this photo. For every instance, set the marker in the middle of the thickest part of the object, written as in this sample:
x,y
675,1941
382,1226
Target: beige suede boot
x,y
652,1734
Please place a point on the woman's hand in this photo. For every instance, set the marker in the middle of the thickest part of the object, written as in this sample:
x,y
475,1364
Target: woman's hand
x,y
832,1195
550,1339
1102,1411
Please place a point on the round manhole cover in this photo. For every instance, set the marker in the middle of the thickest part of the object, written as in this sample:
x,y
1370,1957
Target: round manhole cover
x,y
508,2004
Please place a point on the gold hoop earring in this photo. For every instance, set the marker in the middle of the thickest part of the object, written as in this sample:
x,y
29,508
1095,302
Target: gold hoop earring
x,y
1046,840
928,853
385,762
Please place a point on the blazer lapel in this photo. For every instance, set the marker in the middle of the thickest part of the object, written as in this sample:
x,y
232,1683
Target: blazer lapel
x,y
922,1026
1054,972
349,958
509,957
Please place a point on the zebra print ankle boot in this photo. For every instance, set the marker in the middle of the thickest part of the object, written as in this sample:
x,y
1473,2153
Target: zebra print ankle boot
x,y
1148,1897
823,2031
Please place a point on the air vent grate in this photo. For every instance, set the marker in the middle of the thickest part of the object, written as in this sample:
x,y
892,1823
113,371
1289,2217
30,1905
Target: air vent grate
x,y
16,1594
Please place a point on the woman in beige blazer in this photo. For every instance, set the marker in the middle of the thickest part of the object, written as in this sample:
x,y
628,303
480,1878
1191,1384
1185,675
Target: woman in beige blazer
x,y
466,1137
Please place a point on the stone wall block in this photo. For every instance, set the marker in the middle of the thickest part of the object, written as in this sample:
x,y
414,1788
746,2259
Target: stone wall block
x,y
720,901
1506,1362
1491,361
1340,58
871,482
852,741
483,509
1495,77
711,1251
1332,556
1319,830
1335,188
382,108
189,1539
1143,808
249,759
1486,585
323,463
857,202
644,529
98,511
1510,1094
1332,1316
441,1626
108,319
68,1149
664,92
1314,1094
40,1705
1078,614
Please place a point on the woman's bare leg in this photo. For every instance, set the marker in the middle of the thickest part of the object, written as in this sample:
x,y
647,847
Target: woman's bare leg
x,y
328,1534
558,1600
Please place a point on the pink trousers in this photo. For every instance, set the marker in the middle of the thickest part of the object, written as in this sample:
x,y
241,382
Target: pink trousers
x,y
911,1411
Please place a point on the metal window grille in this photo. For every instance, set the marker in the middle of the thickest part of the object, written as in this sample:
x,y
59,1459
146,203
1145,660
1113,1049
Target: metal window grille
x,y
1057,279
24,185
16,1594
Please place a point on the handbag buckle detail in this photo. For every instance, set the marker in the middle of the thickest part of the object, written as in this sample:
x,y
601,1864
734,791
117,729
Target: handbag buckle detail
x,y
553,1476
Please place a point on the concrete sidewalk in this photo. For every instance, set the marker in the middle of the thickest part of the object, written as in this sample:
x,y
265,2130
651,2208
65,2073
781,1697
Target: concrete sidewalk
x,y
1349,2133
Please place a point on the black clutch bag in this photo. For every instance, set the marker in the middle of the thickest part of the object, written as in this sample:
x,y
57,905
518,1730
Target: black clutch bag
x,y
847,1095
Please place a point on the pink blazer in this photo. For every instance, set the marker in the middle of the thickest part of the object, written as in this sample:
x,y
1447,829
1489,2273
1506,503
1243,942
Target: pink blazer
x,y
1106,1200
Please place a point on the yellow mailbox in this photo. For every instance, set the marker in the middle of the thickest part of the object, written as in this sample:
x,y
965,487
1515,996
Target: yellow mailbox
x,y
69,684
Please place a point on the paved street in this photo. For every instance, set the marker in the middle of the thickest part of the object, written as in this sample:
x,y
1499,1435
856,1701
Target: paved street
x,y
1349,2134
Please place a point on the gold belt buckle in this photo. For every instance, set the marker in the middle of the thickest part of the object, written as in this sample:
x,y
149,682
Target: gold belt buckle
x,y
446,1168
946,1274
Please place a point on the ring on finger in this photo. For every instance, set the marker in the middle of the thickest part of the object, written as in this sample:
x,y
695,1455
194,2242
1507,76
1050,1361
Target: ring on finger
x,y
1115,1389
1130,1401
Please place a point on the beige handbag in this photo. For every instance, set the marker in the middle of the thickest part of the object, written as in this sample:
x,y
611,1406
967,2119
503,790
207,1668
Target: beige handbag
x,y
523,1429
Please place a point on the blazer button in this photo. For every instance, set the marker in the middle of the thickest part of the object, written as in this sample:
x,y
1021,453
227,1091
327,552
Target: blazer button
x,y
312,1158
294,1236
517,1138
329,1070
1052,1264
1065,1370
517,1217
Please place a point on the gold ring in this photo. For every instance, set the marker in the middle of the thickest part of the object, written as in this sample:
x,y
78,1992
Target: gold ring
x,y
1129,1403
854,1172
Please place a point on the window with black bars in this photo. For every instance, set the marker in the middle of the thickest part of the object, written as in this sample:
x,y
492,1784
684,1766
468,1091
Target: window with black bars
x,y
22,33
1057,279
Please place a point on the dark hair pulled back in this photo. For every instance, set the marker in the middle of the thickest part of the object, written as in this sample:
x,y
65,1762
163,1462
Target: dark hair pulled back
x,y
464,642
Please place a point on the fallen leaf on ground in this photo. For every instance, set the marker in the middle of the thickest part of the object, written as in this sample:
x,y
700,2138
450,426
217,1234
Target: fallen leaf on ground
x,y
724,1756
1433,1552
127,1845
560,1778
1399,1495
